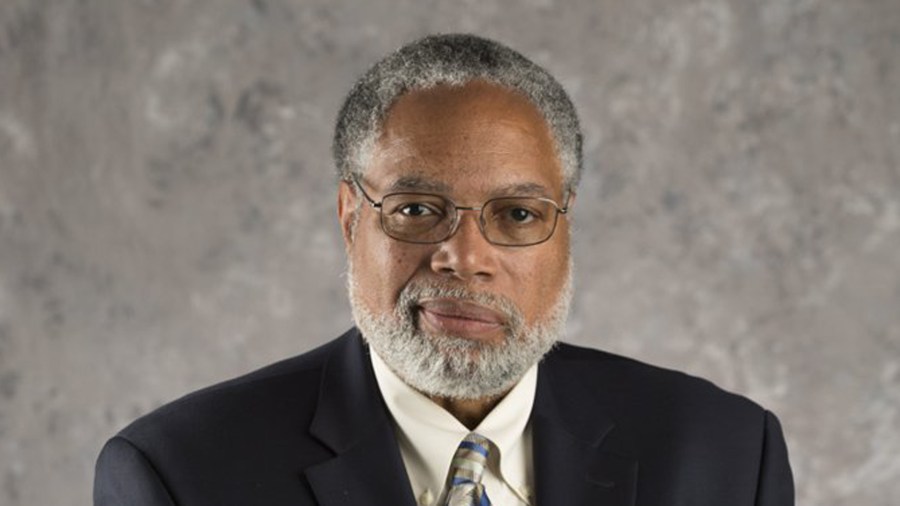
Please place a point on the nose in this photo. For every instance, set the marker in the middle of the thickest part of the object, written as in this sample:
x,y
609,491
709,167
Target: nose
x,y
466,255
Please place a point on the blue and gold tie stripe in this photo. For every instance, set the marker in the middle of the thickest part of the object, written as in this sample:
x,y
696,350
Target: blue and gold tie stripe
x,y
466,470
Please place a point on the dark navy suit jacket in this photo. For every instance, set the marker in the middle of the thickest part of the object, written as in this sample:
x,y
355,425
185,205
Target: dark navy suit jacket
x,y
313,430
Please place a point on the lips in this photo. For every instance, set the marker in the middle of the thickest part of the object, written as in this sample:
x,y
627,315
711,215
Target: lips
x,y
459,318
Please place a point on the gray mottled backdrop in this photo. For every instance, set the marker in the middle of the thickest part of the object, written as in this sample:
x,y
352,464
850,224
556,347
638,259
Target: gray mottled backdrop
x,y
167,206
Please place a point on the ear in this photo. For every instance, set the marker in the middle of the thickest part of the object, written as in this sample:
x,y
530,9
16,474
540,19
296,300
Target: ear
x,y
571,202
346,207
570,205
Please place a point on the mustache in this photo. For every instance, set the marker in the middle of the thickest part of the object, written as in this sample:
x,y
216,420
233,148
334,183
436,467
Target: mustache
x,y
418,290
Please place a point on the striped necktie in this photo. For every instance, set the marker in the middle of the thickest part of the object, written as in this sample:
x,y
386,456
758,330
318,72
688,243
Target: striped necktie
x,y
464,480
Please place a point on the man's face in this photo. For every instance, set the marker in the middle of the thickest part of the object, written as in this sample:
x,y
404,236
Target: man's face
x,y
473,298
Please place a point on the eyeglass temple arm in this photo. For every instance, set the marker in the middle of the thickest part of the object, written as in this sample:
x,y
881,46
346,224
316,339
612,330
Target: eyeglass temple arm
x,y
369,199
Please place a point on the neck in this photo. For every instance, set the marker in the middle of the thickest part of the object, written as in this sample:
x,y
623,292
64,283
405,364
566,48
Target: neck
x,y
470,412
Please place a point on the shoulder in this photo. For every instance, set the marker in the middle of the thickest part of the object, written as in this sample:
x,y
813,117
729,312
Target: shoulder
x,y
636,390
679,427
285,391
226,443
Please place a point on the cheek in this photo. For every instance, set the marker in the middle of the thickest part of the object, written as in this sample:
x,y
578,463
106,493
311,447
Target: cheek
x,y
540,276
383,267
397,265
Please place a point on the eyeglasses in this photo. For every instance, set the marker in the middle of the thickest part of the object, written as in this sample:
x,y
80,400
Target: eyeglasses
x,y
424,218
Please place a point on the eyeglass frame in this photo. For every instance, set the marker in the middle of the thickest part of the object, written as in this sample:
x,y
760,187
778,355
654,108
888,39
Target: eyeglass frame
x,y
354,178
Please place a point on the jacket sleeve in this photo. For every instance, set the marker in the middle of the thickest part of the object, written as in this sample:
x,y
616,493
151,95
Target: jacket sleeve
x,y
776,483
124,477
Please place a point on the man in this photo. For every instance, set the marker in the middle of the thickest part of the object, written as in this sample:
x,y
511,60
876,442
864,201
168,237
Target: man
x,y
458,161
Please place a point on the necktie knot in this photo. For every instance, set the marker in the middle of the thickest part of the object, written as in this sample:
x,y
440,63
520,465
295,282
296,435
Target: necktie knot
x,y
464,482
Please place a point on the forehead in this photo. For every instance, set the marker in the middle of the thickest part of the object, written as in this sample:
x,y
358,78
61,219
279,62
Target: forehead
x,y
475,136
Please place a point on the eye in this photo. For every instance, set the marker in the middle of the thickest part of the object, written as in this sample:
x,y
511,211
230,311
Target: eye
x,y
520,215
415,209
517,212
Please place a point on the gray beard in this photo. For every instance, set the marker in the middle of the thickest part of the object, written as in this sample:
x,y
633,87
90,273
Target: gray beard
x,y
453,367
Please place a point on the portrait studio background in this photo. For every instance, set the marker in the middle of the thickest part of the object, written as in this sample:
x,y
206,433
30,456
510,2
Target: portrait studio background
x,y
167,206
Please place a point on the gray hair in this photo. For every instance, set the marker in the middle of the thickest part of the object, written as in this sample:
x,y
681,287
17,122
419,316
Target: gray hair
x,y
454,60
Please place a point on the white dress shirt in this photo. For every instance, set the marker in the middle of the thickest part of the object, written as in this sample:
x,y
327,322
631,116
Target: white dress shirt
x,y
428,436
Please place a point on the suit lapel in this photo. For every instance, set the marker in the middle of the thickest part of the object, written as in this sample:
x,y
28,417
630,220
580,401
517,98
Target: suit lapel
x,y
352,421
369,473
580,456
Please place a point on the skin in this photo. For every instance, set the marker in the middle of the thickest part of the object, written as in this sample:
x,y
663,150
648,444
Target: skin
x,y
469,143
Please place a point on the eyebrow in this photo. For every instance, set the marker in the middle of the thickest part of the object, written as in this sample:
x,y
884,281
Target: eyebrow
x,y
523,190
418,184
